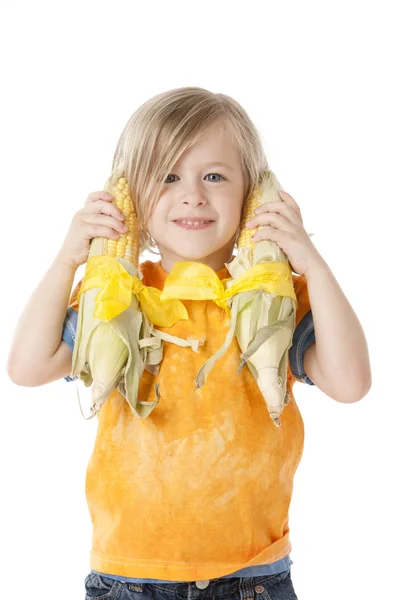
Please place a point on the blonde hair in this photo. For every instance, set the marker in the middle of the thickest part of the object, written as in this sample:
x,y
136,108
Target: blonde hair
x,y
162,128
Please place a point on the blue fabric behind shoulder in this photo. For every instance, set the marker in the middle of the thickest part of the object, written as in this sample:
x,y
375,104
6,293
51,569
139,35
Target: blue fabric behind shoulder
x,y
303,337
69,332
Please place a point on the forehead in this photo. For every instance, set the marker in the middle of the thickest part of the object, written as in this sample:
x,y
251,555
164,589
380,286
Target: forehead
x,y
215,148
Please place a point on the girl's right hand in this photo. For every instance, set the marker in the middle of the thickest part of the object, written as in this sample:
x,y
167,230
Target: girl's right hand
x,y
98,218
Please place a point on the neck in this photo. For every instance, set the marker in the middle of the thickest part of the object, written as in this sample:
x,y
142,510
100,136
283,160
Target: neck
x,y
216,261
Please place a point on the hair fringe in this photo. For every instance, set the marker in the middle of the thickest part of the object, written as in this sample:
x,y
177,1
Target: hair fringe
x,y
164,127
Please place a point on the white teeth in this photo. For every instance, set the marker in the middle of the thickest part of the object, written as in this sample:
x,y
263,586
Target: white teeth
x,y
193,222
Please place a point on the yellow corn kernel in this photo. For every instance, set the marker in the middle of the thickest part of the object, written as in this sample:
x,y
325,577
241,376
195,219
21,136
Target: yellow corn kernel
x,y
127,246
245,234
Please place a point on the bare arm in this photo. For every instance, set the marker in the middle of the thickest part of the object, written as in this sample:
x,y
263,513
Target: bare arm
x,y
37,354
338,363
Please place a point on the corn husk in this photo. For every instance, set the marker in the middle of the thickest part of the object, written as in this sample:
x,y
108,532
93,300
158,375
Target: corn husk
x,y
263,323
113,354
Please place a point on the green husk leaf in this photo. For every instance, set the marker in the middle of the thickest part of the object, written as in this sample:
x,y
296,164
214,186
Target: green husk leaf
x,y
113,354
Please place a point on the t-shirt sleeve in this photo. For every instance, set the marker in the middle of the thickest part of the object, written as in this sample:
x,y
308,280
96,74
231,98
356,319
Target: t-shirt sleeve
x,y
304,334
70,322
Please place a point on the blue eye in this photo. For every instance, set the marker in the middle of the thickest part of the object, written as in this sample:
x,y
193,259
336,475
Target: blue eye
x,y
217,174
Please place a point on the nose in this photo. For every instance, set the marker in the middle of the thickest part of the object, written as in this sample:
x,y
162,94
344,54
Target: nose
x,y
193,201
194,195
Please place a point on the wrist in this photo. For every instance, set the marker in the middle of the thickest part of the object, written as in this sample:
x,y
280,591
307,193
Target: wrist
x,y
65,263
317,265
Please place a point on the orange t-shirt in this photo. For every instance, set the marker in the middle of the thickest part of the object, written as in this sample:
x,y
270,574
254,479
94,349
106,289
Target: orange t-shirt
x,y
202,487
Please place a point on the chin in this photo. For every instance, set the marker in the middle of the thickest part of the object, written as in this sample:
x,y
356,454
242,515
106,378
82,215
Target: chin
x,y
192,257
192,253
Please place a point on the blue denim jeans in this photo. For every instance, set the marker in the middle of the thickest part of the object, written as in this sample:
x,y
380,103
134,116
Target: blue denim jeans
x,y
264,587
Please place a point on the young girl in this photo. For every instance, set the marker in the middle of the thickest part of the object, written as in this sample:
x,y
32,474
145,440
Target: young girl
x,y
194,499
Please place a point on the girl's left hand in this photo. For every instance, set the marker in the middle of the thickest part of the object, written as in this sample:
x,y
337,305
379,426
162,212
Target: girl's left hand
x,y
286,230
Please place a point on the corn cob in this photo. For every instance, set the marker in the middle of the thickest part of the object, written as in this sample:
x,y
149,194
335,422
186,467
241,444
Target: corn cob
x,y
269,363
127,246
113,351
262,322
101,355
245,234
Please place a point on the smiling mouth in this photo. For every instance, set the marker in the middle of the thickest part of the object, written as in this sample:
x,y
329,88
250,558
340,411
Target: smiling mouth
x,y
193,221
189,224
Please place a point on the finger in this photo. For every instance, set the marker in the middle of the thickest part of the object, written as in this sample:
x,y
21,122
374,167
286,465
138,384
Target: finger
x,y
276,220
106,208
278,208
105,221
292,202
266,233
95,196
100,231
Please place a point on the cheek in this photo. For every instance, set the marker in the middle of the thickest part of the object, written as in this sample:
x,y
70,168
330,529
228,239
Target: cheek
x,y
152,225
156,216
235,211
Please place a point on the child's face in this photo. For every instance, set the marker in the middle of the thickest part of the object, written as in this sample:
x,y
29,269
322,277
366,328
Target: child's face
x,y
204,191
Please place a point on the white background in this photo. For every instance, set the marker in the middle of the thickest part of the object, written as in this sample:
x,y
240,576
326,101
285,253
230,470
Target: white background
x,y
319,81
